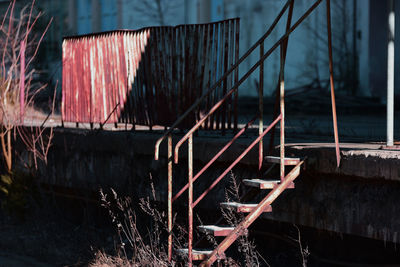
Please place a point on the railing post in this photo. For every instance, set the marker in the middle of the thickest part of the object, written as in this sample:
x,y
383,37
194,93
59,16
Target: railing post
x,y
333,101
282,130
169,197
283,50
282,92
236,77
190,198
261,108
390,78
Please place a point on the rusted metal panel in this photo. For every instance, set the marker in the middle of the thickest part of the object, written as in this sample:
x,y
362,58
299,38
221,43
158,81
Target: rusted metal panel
x,y
149,76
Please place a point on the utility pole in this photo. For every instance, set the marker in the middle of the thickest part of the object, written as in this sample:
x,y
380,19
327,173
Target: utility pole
x,y
390,77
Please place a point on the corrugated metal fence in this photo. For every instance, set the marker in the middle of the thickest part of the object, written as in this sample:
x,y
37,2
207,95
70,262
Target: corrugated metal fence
x,y
149,76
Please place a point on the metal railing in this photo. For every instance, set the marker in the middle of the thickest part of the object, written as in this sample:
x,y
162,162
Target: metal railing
x,y
282,43
149,76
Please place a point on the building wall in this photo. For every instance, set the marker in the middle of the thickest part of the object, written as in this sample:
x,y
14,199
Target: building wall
x,y
354,28
307,56
137,14
307,53
363,47
378,30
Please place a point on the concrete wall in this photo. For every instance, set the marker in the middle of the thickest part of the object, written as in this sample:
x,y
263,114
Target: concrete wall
x,y
356,199
90,160
342,204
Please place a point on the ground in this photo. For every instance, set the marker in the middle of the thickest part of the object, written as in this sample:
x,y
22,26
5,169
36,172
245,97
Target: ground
x,y
50,236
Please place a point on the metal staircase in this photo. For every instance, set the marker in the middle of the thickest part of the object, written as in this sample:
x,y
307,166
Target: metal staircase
x,y
275,187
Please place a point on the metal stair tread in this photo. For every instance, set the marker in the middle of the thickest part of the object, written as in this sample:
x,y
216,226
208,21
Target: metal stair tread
x,y
262,184
243,207
277,160
199,254
216,230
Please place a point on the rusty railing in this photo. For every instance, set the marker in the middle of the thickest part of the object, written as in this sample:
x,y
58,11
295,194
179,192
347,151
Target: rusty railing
x,y
150,76
282,43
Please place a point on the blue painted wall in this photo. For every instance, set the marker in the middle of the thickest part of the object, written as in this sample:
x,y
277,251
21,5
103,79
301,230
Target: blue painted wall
x,y
84,16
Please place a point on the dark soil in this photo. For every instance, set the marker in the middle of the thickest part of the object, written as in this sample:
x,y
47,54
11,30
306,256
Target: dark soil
x,y
55,232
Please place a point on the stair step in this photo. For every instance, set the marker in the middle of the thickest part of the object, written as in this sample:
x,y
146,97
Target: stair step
x,y
264,184
243,207
199,254
216,230
277,160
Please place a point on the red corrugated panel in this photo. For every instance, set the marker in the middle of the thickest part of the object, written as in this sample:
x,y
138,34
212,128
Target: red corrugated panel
x,y
147,77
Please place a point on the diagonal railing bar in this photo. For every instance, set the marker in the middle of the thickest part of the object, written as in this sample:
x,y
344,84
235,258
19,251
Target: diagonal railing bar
x,y
218,83
215,157
244,153
245,76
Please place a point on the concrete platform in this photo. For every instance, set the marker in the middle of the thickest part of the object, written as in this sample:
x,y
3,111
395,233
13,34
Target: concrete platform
x,y
368,160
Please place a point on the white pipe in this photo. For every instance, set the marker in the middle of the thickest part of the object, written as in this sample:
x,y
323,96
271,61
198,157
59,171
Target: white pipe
x,y
390,77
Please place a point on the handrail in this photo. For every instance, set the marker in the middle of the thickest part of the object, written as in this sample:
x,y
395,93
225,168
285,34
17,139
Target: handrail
x,y
189,135
226,74
244,153
215,157
255,66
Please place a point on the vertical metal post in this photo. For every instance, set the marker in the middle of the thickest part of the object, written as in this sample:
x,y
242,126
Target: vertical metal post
x,y
282,130
335,129
190,199
169,197
225,67
22,82
261,108
277,90
236,77
390,77
282,93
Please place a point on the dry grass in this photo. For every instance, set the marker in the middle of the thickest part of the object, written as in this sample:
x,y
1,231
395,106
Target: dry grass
x,y
145,244
139,242
104,260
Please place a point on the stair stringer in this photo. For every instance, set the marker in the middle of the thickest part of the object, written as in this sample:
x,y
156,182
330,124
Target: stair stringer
x,y
252,216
